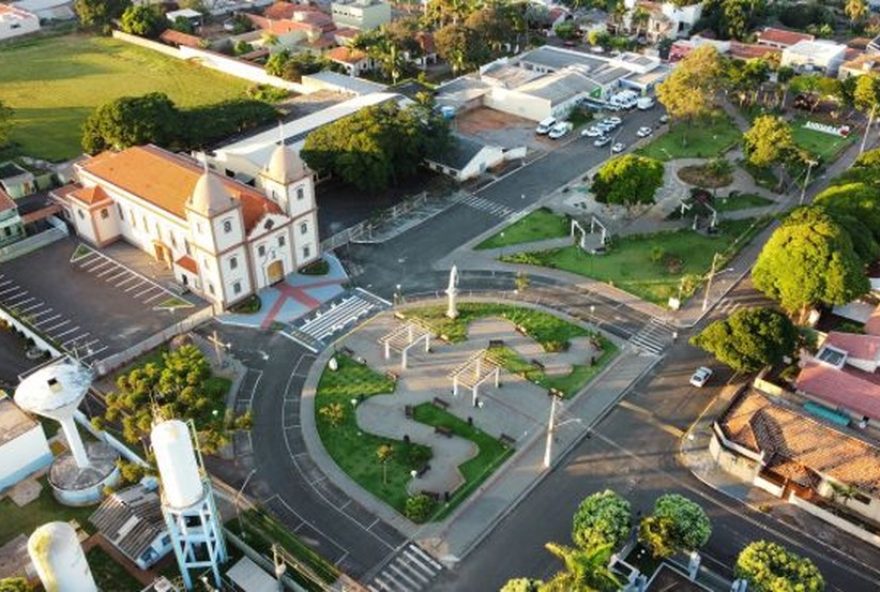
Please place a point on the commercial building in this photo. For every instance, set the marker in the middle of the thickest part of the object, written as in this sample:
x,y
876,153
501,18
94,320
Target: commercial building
x,y
223,239
466,159
821,56
23,446
15,22
363,15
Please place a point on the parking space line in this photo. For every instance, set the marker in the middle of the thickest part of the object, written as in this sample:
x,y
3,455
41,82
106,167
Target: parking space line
x,y
8,290
116,276
31,307
48,320
137,285
127,280
42,312
90,343
68,332
18,292
92,263
151,298
101,266
93,353
77,338
5,282
107,272
147,291
18,299
90,258
25,301
53,327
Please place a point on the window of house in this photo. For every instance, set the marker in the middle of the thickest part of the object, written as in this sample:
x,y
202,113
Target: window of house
x,y
144,221
173,240
119,210
233,262
81,215
199,227
300,193
307,252
261,250
281,241
303,228
227,226
269,224
187,248
211,288
861,498
236,287
104,214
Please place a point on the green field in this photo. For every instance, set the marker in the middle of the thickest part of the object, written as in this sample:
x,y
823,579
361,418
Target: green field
x,y
740,202
54,83
703,139
821,145
538,225
44,509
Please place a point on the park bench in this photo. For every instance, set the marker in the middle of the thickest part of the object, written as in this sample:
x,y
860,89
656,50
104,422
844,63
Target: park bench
x,y
506,440
538,365
493,343
423,469
443,431
347,351
438,402
408,411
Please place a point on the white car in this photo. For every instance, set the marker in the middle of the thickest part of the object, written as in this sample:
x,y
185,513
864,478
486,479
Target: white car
x,y
591,132
614,120
618,148
560,129
701,376
664,119
601,141
644,131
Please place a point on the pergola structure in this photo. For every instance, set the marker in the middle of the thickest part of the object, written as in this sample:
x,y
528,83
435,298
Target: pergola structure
x,y
594,222
404,338
475,371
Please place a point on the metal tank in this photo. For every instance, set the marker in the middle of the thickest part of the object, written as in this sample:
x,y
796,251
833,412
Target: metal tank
x,y
59,559
178,469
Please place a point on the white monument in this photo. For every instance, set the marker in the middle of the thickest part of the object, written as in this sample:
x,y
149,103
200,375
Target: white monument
x,y
452,292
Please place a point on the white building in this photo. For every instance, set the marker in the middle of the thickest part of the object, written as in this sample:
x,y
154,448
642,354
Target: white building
x,y
223,239
466,159
23,446
820,56
17,21
666,20
360,14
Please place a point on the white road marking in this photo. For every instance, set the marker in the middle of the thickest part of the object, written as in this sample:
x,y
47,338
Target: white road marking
x,y
48,320
68,332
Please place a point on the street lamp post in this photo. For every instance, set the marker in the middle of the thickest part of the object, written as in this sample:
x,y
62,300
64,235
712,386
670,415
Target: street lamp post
x,y
810,165
709,281
548,449
236,499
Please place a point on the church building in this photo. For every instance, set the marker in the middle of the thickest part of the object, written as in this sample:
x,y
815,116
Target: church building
x,y
224,240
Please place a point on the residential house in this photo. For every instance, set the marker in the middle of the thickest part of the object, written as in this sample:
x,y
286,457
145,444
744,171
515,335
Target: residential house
x,y
131,520
873,45
820,56
665,20
15,22
781,38
48,10
354,61
340,83
466,159
11,225
23,446
865,63
16,181
223,239
363,15
179,39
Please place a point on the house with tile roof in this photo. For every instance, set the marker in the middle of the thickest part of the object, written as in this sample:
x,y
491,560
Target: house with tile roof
x,y
781,38
223,239
797,456
11,226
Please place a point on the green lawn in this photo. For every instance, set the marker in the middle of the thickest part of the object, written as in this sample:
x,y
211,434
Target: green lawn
x,y
108,574
492,452
703,139
550,331
354,450
821,145
43,509
54,83
538,225
632,264
740,201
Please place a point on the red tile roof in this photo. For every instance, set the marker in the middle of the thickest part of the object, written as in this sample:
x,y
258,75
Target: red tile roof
x,y
782,37
6,202
188,263
279,27
346,54
862,347
172,37
90,195
850,389
748,51
41,214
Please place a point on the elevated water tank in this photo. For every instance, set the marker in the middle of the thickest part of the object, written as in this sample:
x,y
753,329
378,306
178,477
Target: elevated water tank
x,y
59,559
178,469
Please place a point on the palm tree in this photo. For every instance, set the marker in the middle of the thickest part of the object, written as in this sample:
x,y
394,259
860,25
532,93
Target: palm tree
x,y
586,570
855,10
384,454
639,19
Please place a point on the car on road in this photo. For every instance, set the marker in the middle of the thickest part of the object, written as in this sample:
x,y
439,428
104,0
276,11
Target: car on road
x,y
614,120
664,119
618,148
701,376
560,129
644,103
601,141
644,131
591,132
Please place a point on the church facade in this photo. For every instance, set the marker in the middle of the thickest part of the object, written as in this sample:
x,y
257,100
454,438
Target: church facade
x,y
224,240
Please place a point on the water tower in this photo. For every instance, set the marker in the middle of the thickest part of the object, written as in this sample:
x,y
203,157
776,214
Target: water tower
x,y
59,560
55,391
187,502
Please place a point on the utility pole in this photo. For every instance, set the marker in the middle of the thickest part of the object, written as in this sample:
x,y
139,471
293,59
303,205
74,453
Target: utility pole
x,y
810,165
219,346
551,425
867,129
709,282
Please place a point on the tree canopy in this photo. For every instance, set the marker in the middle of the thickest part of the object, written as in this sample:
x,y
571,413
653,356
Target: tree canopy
x,y
856,208
769,141
602,518
17,585
809,260
294,66
689,91
731,19
142,20
99,13
586,570
677,524
522,585
377,146
628,180
769,567
749,339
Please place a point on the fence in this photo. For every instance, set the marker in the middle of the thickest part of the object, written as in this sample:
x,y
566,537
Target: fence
x,y
838,521
363,231
37,241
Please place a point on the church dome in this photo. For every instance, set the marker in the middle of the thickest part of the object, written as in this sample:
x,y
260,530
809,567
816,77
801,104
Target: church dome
x,y
209,196
285,166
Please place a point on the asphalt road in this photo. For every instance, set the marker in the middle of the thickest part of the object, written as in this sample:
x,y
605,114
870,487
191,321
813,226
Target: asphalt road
x,y
633,451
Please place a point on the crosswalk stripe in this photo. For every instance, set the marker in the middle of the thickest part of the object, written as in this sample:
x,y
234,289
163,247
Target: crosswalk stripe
x,y
486,205
405,576
426,557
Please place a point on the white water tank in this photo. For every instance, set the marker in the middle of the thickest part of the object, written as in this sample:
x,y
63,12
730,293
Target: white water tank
x,y
178,469
59,559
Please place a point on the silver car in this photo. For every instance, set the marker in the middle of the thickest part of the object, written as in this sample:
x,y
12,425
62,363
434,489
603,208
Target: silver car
x,y
601,141
618,148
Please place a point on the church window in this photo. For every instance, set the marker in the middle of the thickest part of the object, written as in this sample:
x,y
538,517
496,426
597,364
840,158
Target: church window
x,y
300,193
281,240
233,262
269,224
236,287
81,215
104,214
187,248
227,226
119,209
211,288
261,250
303,228
307,252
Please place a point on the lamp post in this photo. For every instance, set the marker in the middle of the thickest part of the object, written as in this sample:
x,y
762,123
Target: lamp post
x,y
709,281
810,165
236,498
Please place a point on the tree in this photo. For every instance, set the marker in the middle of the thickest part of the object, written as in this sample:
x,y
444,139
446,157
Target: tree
x,y
460,46
599,37
445,12
419,507
99,13
6,114
334,413
602,518
784,75
130,121
522,585
183,24
856,208
749,339
769,141
21,585
628,180
866,97
809,260
142,20
384,454
677,524
689,91
856,10
769,567
493,25
586,570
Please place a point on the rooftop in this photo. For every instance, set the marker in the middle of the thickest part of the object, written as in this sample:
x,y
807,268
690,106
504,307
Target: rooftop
x,y
865,62
461,152
13,421
818,49
347,55
131,519
358,86
748,51
792,441
771,35
6,202
863,347
559,87
556,58
847,388
508,75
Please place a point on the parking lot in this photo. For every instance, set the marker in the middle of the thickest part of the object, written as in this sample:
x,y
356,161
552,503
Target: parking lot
x,y
502,129
90,304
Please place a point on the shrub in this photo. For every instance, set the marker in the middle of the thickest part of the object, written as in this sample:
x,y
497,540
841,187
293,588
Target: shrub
x,y
419,507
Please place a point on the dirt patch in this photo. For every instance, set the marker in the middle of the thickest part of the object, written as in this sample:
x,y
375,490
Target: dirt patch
x,y
502,129
704,175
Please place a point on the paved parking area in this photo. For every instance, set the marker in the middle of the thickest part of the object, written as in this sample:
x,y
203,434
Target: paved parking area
x,y
88,303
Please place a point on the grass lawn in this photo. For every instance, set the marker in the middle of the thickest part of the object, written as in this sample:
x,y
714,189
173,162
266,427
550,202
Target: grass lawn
x,y
43,509
492,452
550,331
826,147
763,176
354,450
538,225
108,574
54,83
740,201
632,265
704,139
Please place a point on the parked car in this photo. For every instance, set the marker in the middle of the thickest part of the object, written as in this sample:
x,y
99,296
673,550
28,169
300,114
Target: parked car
x,y
591,132
601,141
618,148
614,120
560,129
644,131
545,126
644,103
701,376
604,127
664,119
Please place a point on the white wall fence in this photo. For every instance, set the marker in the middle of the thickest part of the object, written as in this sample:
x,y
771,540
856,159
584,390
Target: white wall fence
x,y
839,522
363,231
32,243
215,61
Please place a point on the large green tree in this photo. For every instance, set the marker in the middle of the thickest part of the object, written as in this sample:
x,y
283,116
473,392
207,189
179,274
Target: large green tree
x,y
586,570
99,13
628,180
690,90
15,585
677,524
130,121
522,585
866,98
603,518
143,20
769,567
855,207
749,339
769,141
809,260
460,45
6,114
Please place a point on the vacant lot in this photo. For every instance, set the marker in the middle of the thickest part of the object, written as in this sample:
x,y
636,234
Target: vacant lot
x,y
54,83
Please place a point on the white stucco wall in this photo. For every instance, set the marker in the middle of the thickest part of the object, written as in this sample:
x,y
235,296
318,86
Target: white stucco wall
x,y
23,455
